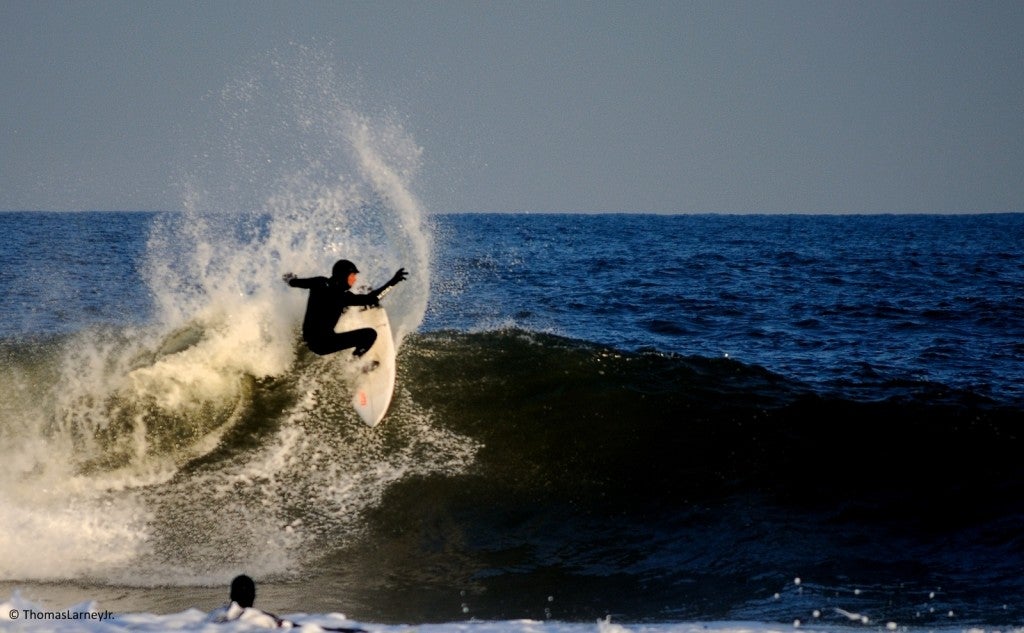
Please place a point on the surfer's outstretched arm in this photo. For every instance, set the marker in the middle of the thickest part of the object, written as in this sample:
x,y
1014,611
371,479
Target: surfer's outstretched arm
x,y
379,293
295,281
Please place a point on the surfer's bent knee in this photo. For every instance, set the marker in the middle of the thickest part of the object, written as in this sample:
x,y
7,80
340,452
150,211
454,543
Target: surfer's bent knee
x,y
369,336
361,339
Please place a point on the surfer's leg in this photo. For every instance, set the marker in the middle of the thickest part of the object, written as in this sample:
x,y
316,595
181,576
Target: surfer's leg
x,y
366,337
361,339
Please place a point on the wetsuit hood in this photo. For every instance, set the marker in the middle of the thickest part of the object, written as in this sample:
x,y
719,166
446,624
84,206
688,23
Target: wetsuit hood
x,y
342,269
243,591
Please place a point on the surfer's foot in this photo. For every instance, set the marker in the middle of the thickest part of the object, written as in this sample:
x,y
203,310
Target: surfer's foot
x,y
370,366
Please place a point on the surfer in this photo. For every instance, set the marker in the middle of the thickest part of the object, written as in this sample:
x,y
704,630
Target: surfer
x,y
328,298
243,596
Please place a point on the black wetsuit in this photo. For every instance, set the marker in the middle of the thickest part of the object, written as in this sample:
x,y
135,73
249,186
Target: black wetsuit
x,y
327,301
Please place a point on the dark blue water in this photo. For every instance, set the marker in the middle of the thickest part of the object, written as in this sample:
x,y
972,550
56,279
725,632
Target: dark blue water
x,y
672,419
851,303
60,271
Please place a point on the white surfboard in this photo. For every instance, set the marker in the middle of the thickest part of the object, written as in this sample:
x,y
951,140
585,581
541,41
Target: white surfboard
x,y
375,377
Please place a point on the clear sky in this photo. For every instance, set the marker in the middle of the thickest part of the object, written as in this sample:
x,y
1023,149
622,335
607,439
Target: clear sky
x,y
760,106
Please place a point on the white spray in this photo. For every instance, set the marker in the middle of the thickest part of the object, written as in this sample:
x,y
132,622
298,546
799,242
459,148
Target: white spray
x,y
293,177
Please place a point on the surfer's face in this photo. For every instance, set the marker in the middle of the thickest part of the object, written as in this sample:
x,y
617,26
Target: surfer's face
x,y
351,280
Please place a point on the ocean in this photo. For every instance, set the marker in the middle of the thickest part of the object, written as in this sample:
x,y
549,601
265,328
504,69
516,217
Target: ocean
x,y
602,422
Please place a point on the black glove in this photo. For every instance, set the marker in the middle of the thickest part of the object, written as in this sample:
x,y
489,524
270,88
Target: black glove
x,y
401,275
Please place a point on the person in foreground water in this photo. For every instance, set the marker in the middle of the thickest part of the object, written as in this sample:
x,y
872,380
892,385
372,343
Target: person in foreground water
x,y
243,597
328,298
240,607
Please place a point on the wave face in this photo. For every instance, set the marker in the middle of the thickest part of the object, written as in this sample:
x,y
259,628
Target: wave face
x,y
663,487
522,474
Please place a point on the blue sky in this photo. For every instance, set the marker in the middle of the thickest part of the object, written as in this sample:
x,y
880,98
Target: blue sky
x,y
787,106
